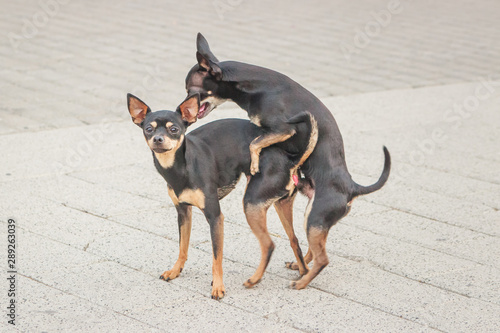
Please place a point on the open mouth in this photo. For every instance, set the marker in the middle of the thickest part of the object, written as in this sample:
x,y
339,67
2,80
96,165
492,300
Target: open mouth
x,y
204,110
161,150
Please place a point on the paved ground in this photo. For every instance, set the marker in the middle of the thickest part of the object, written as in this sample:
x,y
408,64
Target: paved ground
x,y
95,227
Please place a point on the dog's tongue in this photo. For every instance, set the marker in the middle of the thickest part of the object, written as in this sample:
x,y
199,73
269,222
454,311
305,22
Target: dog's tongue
x,y
203,107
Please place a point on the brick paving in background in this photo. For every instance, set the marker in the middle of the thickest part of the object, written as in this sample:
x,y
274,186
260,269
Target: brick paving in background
x,y
86,54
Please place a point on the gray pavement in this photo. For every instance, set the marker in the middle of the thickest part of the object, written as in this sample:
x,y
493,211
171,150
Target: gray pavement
x,y
95,226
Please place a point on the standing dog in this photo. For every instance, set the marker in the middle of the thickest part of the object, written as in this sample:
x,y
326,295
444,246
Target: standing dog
x,y
203,166
270,98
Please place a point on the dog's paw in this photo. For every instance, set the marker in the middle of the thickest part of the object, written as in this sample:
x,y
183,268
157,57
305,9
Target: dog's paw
x,y
171,274
249,283
297,285
218,291
292,265
254,167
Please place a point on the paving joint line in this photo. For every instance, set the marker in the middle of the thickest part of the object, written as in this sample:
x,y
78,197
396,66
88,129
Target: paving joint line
x,y
436,220
88,301
419,245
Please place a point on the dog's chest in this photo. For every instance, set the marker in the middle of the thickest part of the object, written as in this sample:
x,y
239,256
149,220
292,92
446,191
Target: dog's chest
x,y
188,196
255,119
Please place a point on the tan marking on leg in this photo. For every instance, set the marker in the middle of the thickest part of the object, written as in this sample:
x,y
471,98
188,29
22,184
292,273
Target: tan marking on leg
x,y
193,197
184,236
290,187
254,158
188,196
313,139
308,211
167,159
284,208
317,245
262,142
256,218
218,289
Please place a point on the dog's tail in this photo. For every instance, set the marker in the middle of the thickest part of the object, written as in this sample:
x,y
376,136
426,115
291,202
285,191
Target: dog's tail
x,y
362,190
308,118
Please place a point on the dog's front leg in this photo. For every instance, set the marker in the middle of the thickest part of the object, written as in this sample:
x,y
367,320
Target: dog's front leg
x,y
184,214
216,221
264,141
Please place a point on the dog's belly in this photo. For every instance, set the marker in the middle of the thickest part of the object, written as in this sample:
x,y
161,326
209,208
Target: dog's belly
x,y
226,189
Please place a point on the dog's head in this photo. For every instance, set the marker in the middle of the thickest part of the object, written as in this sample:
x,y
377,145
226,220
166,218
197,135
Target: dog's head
x,y
164,131
205,78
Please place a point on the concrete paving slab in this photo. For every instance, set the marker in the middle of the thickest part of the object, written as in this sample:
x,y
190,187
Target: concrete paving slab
x,y
140,250
67,150
439,207
204,314
431,234
409,299
47,309
61,189
423,264
337,315
49,253
452,185
162,221
147,181
67,225
116,287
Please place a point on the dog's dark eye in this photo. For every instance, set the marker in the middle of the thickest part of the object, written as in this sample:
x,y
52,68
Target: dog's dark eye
x,y
174,129
149,129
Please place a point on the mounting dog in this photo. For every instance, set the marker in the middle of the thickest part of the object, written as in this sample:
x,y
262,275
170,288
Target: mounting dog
x,y
203,166
270,98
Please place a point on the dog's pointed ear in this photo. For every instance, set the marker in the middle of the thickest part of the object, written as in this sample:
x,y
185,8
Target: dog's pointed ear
x,y
189,109
137,109
206,58
203,48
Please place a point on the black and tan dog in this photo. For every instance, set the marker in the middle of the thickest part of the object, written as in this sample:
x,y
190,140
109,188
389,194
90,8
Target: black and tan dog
x,y
204,166
270,98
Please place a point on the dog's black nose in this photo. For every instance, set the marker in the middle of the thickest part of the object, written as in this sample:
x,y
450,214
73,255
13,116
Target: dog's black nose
x,y
158,139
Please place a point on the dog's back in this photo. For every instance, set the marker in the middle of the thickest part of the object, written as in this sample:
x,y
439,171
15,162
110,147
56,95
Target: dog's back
x,y
220,148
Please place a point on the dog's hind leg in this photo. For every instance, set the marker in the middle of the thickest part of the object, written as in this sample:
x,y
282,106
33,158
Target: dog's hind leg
x,y
317,242
308,257
325,211
257,220
284,208
262,191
